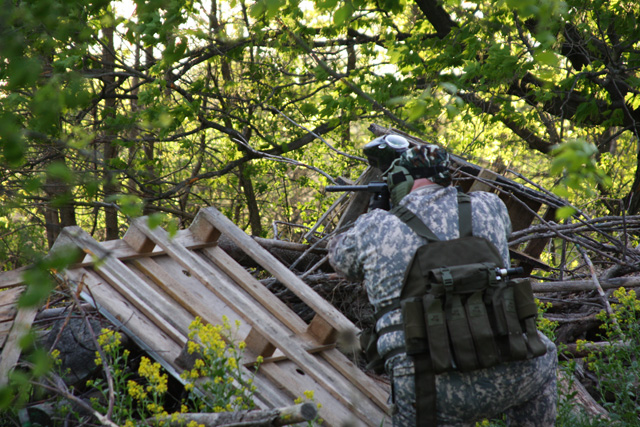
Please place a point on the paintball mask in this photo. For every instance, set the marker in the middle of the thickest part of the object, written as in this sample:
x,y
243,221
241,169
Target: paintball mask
x,y
425,161
382,151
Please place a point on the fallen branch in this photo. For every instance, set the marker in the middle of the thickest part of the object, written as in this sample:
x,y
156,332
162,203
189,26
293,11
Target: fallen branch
x,y
576,351
585,285
274,417
581,397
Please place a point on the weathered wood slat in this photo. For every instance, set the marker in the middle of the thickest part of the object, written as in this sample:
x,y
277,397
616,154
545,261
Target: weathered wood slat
x,y
5,327
335,413
286,315
8,303
282,312
10,279
256,289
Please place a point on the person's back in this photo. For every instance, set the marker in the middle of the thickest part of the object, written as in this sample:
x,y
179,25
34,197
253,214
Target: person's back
x,y
379,248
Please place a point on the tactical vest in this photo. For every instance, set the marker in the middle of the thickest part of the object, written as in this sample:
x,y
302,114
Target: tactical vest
x,y
460,311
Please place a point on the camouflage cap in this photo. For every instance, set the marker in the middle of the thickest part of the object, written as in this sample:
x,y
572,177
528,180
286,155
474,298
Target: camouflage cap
x,y
427,161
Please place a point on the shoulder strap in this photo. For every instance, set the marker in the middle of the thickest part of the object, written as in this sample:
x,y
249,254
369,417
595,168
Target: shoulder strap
x,y
413,222
464,214
419,227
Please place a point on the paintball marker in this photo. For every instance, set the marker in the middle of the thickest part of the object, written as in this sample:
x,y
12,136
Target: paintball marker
x,y
379,197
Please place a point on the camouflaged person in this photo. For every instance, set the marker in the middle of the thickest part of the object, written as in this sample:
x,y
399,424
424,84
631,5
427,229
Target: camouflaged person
x,y
378,249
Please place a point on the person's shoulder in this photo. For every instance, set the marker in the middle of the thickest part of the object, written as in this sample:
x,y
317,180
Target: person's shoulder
x,y
374,218
485,197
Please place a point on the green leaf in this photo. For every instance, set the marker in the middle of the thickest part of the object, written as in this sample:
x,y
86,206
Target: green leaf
x,y
155,219
326,4
130,205
273,7
449,87
41,362
343,14
39,286
452,111
564,212
547,57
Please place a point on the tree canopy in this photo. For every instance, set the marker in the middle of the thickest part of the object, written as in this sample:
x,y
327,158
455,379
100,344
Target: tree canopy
x,y
110,109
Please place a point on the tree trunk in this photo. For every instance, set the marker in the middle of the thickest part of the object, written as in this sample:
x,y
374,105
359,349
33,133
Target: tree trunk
x,y
110,187
252,203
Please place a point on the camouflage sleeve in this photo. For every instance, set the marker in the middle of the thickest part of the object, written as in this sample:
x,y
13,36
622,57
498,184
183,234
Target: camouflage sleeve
x,y
343,254
491,221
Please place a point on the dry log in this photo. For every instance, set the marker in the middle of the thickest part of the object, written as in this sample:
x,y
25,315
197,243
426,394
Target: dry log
x,y
572,350
585,285
581,397
275,417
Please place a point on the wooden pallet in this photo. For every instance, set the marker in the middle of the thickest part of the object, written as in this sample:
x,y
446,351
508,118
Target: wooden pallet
x,y
152,286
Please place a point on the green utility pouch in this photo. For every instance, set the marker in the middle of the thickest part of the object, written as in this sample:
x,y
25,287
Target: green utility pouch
x,y
415,330
436,322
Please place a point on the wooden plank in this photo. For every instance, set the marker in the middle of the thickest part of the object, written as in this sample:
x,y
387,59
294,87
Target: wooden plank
x,y
11,350
189,292
5,327
335,412
8,303
318,304
256,289
125,315
338,360
10,279
484,174
273,331
138,241
203,230
258,344
148,336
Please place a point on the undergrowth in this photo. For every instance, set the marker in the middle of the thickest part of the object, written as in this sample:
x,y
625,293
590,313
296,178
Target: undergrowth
x,y
218,383
615,367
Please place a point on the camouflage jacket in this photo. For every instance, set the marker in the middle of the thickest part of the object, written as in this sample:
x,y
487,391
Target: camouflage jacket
x,y
379,247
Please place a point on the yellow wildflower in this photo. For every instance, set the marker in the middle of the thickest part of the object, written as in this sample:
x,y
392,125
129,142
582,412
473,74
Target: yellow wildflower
x,y
232,363
136,390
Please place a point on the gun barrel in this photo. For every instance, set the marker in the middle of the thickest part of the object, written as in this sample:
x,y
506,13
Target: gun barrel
x,y
372,187
336,188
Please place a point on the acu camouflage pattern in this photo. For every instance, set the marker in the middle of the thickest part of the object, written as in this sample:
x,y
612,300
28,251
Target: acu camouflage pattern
x,y
378,249
422,157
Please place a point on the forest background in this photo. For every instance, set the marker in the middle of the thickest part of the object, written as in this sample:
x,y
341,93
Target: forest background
x,y
113,109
